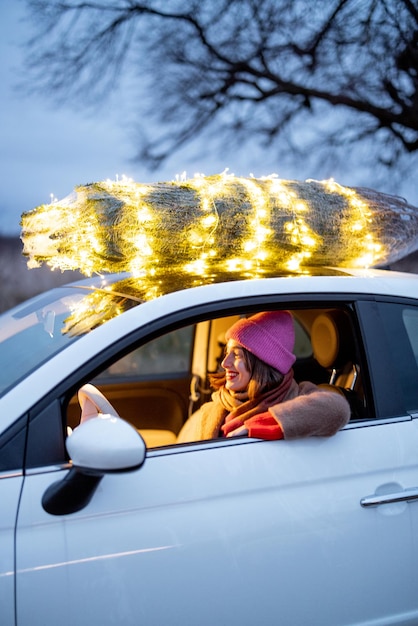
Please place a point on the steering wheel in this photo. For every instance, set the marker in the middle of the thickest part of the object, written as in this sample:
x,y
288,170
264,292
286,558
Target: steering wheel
x,y
93,402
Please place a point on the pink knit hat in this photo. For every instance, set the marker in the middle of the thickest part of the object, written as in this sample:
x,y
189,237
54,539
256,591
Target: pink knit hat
x,y
270,336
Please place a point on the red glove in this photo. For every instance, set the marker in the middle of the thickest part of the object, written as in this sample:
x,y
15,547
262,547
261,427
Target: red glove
x,y
264,426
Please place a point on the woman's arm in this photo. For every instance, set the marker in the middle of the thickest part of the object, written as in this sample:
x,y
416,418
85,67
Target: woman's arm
x,y
314,413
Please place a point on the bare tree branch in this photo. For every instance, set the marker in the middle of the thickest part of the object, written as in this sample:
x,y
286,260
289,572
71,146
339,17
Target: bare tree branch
x,y
241,68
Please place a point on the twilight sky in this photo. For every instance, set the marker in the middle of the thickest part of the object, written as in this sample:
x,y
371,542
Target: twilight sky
x,y
44,150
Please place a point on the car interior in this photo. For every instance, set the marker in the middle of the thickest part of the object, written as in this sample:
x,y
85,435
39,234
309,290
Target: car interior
x,y
158,385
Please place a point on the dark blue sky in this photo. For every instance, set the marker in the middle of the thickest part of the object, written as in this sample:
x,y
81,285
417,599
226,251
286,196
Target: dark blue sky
x,y
46,151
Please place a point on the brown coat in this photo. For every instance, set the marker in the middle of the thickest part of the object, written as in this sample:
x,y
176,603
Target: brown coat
x,y
306,411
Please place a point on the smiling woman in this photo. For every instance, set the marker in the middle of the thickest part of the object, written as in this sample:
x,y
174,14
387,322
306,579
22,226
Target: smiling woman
x,y
237,367
256,393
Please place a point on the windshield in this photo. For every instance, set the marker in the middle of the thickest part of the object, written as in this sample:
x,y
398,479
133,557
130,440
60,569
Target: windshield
x,y
33,332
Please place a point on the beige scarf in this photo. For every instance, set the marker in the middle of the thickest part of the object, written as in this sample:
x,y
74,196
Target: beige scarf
x,y
207,421
226,405
238,405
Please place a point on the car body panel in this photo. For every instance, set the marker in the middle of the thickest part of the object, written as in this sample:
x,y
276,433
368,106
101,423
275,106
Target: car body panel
x,y
225,530
239,529
10,489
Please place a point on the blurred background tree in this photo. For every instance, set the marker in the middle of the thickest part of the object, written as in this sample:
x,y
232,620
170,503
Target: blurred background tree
x,y
322,81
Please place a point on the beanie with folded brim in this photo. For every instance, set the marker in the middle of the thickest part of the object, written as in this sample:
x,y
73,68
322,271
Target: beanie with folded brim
x,y
270,336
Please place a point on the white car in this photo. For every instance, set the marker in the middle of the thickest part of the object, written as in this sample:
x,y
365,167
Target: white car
x,y
113,522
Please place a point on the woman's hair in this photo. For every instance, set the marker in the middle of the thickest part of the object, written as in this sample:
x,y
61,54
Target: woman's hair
x,y
263,377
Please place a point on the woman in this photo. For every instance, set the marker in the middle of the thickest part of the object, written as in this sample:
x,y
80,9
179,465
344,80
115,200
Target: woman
x,y
257,395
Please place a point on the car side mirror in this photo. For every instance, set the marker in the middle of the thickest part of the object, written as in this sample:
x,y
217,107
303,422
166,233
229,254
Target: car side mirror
x,y
100,445
106,443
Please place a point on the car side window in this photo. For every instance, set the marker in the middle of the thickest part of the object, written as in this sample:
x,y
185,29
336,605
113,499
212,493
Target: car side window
x,y
303,346
149,387
410,319
401,325
157,386
164,355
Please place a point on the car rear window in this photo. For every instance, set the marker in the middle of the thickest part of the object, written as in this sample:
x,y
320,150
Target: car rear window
x,y
401,325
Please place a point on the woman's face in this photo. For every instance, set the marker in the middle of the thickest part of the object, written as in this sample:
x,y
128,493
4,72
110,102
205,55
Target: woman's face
x,y
237,374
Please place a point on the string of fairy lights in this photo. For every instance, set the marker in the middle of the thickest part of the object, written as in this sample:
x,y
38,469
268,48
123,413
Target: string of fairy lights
x,y
203,229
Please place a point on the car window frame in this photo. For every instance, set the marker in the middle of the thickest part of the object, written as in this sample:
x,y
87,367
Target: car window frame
x,y
385,386
359,303
403,360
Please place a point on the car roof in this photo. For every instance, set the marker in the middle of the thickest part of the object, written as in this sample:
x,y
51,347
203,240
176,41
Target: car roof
x,y
374,281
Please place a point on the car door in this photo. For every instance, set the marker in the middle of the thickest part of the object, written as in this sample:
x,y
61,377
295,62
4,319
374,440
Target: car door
x,y
12,443
10,487
223,531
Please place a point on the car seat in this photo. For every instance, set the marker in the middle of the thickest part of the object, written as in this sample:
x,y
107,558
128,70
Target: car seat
x,y
333,347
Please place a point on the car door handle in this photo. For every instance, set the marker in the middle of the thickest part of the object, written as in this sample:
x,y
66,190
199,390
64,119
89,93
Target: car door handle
x,y
406,495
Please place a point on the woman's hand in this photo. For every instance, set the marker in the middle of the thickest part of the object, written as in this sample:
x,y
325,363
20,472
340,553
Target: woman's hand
x,y
242,431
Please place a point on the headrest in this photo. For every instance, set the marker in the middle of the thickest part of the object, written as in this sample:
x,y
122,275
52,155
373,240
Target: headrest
x,y
329,337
